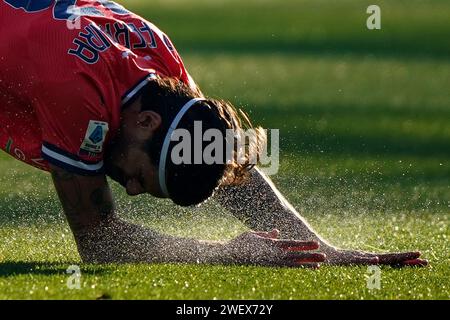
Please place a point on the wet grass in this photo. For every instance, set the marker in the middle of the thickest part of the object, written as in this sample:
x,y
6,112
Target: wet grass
x,y
365,129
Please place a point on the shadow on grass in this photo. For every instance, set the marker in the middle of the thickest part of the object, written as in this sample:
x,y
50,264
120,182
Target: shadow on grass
x,y
15,268
294,27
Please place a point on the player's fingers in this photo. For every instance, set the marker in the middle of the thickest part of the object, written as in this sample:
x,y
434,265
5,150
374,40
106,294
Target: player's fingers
x,y
393,258
310,258
415,263
297,245
354,260
269,235
365,260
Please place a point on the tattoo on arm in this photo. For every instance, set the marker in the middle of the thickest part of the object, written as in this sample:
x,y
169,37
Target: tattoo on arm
x,y
100,199
69,190
85,200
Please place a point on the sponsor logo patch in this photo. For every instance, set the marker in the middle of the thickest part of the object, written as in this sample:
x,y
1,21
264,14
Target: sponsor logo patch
x,y
94,137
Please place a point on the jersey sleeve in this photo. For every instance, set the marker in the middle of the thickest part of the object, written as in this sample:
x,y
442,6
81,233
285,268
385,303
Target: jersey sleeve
x,y
75,125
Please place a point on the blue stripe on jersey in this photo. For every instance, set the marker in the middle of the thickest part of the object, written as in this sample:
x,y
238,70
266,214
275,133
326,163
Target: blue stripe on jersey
x,y
129,96
70,162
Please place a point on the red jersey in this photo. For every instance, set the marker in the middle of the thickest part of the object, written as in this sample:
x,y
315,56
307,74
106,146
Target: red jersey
x,y
67,68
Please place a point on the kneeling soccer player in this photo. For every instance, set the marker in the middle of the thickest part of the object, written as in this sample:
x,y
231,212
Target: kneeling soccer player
x,y
92,90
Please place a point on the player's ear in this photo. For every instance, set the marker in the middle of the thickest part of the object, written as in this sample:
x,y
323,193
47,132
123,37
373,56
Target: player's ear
x,y
148,122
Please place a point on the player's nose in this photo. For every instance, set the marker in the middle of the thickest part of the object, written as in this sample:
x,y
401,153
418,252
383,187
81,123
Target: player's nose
x,y
133,187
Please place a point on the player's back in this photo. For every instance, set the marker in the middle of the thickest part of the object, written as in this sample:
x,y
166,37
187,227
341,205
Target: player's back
x,y
45,42
66,63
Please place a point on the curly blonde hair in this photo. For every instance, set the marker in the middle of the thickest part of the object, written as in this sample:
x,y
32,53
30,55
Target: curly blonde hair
x,y
192,184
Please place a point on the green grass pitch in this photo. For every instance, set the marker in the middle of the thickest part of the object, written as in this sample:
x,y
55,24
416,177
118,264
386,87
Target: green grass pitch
x,y
364,122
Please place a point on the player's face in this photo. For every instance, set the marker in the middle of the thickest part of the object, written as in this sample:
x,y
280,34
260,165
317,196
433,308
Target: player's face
x,y
127,162
134,171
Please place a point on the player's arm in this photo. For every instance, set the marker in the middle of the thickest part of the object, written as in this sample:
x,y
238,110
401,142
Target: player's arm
x,y
259,204
102,237
86,200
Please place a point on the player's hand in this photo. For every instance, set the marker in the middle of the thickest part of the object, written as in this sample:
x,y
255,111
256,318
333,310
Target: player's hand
x,y
403,259
265,249
399,259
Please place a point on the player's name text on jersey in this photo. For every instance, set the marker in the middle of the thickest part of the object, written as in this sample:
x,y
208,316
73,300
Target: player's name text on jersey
x,y
95,39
